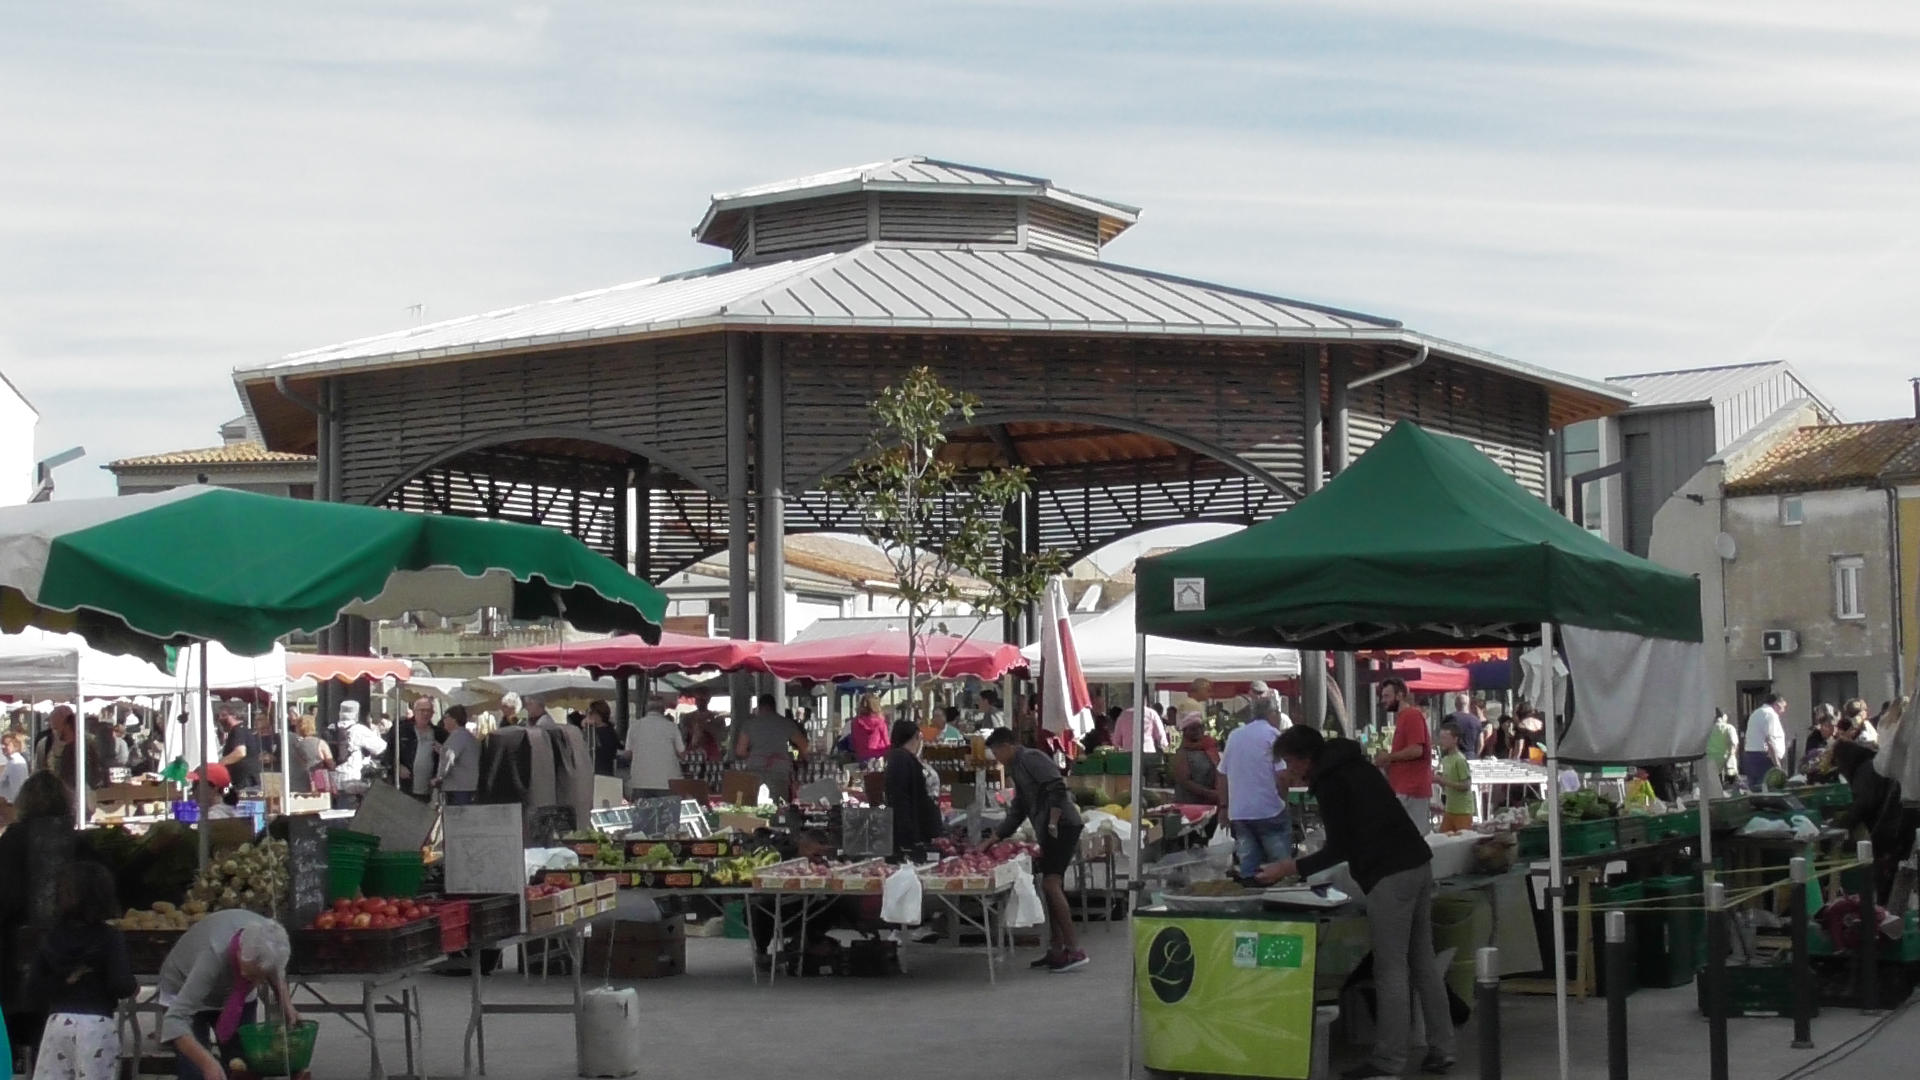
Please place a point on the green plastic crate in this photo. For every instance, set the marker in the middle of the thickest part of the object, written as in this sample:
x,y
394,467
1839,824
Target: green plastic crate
x,y
346,870
1632,830
1754,990
1119,763
735,926
394,873
1090,766
1679,823
1576,838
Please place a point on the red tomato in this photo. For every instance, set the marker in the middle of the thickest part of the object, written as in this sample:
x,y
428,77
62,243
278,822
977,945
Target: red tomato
x,y
362,921
326,922
344,903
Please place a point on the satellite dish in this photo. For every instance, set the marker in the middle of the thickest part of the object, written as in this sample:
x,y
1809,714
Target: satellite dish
x,y
1725,546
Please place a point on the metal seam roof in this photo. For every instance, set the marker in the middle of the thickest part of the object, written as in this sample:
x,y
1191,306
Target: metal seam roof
x,y
1709,385
895,288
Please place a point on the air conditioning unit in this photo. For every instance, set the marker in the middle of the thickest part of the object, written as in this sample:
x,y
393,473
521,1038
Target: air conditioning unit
x,y
1779,642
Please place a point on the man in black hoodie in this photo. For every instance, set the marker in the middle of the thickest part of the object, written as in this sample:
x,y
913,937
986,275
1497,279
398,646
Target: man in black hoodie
x,y
1369,831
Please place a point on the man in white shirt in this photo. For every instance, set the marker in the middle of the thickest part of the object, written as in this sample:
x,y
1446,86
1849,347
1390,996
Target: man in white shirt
x,y
1256,799
1765,745
654,746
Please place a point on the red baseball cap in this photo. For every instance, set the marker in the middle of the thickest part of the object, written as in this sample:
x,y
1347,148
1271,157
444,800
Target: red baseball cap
x,y
217,775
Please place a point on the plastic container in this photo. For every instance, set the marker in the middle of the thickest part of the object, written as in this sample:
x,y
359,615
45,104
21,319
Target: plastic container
x,y
394,873
1118,763
735,926
272,1050
609,1036
1670,938
1461,923
1755,990
346,869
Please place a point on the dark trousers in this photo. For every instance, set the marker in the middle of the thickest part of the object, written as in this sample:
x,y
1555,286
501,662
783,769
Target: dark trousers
x,y
203,1025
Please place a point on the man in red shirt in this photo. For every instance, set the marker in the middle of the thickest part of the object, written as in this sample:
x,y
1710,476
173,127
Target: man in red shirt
x,y
1409,764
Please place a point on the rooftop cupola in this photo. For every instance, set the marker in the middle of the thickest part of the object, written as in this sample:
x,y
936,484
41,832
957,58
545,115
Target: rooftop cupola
x,y
911,202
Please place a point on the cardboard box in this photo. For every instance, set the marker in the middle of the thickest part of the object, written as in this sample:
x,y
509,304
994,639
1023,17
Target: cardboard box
x,y
744,823
637,950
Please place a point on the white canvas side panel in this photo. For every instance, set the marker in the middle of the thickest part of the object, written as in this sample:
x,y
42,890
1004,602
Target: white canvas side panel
x,y
1636,699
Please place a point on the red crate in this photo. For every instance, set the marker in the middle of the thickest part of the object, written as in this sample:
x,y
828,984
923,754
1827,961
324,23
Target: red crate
x,y
456,919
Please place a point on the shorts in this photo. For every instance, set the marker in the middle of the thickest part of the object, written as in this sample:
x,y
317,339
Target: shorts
x,y
1057,852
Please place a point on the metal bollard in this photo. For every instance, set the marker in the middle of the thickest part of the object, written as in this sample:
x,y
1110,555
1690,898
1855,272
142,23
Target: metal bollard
x,y
1486,1003
1802,963
1867,955
1619,964
1717,980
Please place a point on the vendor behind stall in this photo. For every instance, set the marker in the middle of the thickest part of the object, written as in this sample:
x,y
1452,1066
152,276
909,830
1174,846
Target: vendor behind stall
x,y
1197,765
916,817
208,984
1368,828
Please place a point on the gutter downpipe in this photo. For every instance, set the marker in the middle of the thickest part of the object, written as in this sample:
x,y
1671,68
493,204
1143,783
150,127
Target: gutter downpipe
x,y
1389,372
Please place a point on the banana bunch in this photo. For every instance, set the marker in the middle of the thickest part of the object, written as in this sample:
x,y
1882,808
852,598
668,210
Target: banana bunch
x,y
739,869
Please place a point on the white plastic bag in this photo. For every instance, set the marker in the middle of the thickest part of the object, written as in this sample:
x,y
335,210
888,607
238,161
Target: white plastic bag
x,y
900,898
1027,909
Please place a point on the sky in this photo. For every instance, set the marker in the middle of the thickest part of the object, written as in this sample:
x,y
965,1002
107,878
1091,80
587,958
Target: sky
x,y
1596,186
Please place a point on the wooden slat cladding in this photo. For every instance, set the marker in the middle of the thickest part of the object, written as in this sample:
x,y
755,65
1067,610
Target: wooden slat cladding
x,y
1231,396
1056,228
819,223
667,397
950,219
1505,418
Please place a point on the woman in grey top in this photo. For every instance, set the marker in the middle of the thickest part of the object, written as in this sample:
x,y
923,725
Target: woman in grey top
x,y
208,983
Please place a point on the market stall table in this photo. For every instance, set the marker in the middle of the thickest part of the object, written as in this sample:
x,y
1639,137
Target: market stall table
x,y
1490,773
571,936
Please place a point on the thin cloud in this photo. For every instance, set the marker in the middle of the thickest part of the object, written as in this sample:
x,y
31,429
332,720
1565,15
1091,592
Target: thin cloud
x,y
1596,186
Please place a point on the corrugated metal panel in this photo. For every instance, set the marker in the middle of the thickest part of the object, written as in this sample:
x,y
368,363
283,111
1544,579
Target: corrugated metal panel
x,y
837,222
1703,385
1663,450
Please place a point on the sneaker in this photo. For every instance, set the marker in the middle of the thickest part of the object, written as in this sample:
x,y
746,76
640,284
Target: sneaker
x,y
1047,960
1368,1071
1436,1063
1073,960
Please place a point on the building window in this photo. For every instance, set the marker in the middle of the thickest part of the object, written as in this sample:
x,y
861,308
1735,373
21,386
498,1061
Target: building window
x,y
1846,587
1792,512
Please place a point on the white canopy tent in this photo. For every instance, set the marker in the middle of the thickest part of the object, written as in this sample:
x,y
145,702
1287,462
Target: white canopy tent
x,y
1105,645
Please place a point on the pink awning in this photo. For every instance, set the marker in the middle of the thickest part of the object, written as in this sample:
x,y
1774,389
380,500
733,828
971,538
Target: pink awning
x,y
632,655
345,668
870,656
1425,676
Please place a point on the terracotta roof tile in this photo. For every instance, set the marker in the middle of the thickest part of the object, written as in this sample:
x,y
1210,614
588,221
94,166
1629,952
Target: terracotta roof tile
x,y
1829,457
240,453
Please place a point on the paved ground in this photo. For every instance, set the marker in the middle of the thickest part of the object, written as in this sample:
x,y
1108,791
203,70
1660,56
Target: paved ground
x,y
942,1020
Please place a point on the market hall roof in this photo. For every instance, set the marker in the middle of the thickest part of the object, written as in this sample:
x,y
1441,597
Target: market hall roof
x,y
909,246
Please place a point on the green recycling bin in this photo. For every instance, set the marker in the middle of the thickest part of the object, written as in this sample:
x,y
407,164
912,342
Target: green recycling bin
x,y
1670,936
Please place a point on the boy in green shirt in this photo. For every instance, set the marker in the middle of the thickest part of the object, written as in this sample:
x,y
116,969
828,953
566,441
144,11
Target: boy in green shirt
x,y
1456,779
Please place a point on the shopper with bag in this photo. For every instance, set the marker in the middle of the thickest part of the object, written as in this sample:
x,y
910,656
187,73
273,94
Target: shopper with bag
x,y
1040,795
311,758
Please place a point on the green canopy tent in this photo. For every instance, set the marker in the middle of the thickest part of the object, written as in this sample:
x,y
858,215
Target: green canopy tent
x,y
142,574
1424,542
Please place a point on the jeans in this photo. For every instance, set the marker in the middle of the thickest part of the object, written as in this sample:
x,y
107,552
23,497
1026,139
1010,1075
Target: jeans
x,y
1261,841
203,1025
1420,809
1754,765
1405,971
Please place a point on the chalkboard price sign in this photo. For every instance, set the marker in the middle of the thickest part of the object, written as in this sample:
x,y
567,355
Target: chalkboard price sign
x,y
547,824
657,817
306,867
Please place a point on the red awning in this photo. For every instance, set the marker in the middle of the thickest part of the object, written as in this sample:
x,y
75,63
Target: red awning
x,y
631,655
345,668
870,656
1474,655
1425,676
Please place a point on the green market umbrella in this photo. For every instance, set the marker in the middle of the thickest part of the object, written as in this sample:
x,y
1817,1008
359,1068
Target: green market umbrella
x,y
1422,542
139,573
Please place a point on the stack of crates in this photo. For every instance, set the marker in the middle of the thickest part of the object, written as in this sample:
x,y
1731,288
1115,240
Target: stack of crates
x,y
347,854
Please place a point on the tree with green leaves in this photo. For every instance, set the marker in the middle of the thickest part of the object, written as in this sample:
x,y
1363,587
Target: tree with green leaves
x,y
939,523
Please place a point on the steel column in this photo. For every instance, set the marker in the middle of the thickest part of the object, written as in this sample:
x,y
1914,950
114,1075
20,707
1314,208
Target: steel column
x,y
770,465
1338,372
739,564
1313,663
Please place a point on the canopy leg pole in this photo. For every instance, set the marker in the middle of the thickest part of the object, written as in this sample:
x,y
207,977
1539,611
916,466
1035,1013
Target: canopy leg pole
x,y
1555,890
286,747
1709,790
81,789
1135,843
204,794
